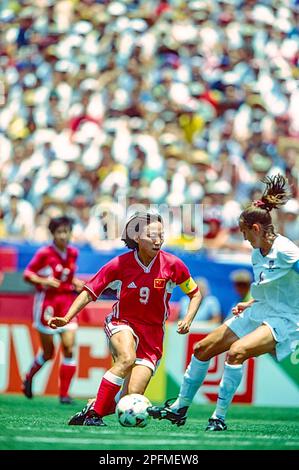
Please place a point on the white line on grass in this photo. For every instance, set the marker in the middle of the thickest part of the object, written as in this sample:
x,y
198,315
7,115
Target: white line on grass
x,y
78,429
101,440
293,443
241,436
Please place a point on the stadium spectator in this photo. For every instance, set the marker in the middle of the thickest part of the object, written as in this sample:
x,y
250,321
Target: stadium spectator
x,y
3,233
52,271
220,216
19,214
144,279
209,309
221,77
268,323
241,279
289,221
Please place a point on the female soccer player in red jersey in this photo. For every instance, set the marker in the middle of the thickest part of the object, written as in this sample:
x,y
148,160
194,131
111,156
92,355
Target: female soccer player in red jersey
x,y
52,271
144,279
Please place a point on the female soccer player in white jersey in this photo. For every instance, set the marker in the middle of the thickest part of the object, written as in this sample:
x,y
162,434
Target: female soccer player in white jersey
x,y
144,279
267,324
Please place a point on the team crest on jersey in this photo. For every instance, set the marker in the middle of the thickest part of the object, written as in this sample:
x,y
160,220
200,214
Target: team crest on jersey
x,y
159,283
271,265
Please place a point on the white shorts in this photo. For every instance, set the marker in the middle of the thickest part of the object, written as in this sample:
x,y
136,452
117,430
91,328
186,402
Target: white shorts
x,y
285,331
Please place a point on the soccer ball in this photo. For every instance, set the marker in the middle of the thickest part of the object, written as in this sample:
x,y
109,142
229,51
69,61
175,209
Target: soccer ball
x,y
131,411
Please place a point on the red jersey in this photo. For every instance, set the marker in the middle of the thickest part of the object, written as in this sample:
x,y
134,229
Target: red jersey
x,y
49,261
143,291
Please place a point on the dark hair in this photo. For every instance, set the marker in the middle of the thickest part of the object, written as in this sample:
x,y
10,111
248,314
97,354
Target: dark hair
x,y
275,195
56,222
134,226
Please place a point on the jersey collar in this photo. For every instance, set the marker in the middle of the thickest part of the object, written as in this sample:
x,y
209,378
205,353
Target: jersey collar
x,y
146,269
62,254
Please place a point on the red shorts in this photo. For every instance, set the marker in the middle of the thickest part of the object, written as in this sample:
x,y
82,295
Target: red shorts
x,y
149,340
46,307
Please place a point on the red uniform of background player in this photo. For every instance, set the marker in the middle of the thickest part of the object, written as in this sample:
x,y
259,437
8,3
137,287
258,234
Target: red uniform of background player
x,y
144,279
52,271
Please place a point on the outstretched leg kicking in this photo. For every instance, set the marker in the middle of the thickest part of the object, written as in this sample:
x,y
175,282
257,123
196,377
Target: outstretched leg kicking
x,y
215,343
260,341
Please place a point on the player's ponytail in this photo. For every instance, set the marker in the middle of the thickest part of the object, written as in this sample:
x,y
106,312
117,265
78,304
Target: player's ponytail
x,y
275,195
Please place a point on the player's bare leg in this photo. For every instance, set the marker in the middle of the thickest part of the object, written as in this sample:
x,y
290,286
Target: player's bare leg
x,y
215,343
260,341
139,379
44,355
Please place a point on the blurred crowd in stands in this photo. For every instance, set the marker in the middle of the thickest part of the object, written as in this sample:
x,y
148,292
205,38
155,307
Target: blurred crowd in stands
x,y
179,104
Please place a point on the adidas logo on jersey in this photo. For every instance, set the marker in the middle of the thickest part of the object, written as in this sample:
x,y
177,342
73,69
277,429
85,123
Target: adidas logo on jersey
x,y
132,285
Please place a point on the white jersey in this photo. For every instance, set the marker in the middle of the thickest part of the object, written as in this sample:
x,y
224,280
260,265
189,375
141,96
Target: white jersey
x,y
275,282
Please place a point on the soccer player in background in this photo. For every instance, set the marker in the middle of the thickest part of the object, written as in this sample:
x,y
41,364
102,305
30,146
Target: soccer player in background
x,y
52,271
268,323
144,279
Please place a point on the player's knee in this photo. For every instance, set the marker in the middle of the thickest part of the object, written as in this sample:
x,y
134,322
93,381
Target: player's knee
x,y
68,352
48,355
202,352
126,361
236,353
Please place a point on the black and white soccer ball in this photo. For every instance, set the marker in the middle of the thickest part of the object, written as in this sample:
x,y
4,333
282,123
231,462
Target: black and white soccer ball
x,y
131,411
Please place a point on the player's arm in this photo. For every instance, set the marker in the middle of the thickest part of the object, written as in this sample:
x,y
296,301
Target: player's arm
x,y
78,284
91,291
31,275
190,288
241,306
79,303
34,278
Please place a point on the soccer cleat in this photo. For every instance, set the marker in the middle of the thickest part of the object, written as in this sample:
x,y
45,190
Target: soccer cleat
x,y
93,419
66,400
216,424
78,418
177,417
27,388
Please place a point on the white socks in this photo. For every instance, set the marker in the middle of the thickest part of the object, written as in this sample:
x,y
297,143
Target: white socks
x,y
230,381
193,378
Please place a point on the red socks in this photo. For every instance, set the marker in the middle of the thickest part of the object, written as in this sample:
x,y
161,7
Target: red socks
x,y
109,387
66,373
36,366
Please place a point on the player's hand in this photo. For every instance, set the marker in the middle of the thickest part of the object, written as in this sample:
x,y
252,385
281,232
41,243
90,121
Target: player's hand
x,y
51,282
183,327
57,322
240,307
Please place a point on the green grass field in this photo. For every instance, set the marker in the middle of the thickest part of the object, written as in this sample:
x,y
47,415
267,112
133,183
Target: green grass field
x,y
41,423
